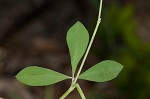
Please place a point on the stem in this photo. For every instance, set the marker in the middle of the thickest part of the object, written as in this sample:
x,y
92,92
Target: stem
x,y
67,92
74,79
80,91
90,44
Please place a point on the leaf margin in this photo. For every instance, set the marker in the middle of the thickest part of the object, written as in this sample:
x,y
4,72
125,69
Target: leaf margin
x,y
74,61
25,71
84,76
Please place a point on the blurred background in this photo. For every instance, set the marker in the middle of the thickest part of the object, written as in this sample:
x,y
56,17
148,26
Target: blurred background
x,y
33,32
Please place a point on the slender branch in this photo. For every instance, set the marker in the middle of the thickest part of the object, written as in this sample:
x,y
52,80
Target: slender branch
x,y
90,44
67,92
80,91
74,80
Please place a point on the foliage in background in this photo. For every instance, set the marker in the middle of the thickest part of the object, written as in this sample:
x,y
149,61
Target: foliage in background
x,y
118,40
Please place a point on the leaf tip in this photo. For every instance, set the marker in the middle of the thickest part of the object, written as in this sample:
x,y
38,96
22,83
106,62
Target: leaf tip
x,y
78,22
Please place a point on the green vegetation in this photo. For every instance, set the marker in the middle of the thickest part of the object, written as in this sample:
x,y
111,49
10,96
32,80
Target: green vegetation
x,y
79,46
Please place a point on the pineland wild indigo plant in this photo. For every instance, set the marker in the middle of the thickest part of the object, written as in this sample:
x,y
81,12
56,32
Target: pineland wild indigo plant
x,y
79,45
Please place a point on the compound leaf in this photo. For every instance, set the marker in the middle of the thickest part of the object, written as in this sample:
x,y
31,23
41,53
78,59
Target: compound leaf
x,y
103,71
77,40
38,76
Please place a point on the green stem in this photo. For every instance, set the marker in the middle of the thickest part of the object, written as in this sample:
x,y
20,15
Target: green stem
x,y
74,80
90,44
67,92
80,91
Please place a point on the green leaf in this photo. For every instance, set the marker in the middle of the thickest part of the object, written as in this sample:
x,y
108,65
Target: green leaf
x,y
37,76
103,71
77,40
